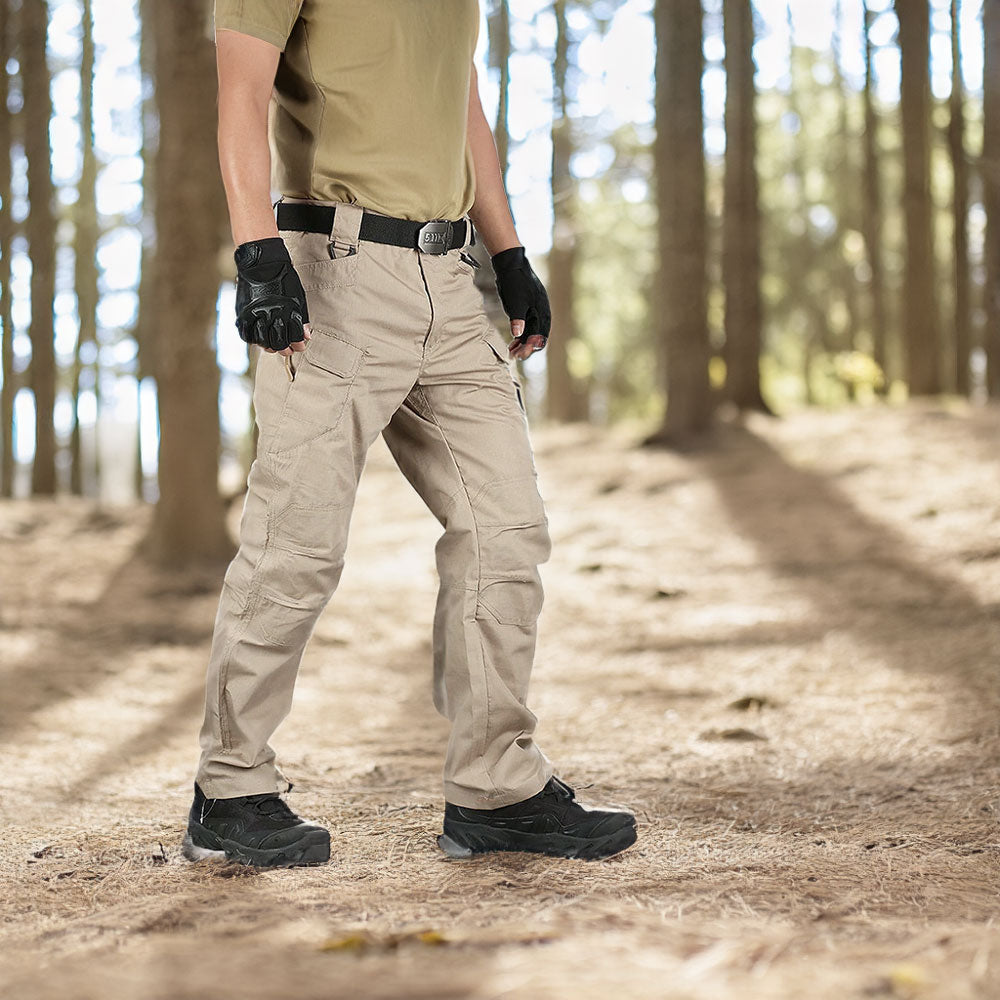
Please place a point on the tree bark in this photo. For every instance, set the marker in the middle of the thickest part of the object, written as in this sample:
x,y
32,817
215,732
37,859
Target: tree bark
x,y
189,524
40,228
991,190
741,214
923,361
566,398
679,163
960,210
6,241
85,265
872,216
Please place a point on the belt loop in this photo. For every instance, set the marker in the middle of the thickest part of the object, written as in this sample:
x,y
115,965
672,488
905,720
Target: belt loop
x,y
346,227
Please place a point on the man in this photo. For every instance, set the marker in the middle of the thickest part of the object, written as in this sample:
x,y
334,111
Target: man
x,y
356,286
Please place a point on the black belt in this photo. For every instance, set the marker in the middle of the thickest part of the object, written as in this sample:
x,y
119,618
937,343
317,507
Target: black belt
x,y
430,237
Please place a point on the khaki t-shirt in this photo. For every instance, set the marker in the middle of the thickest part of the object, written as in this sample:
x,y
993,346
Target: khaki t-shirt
x,y
370,100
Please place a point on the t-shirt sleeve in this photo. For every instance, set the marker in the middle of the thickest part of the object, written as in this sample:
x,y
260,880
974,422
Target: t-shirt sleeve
x,y
270,20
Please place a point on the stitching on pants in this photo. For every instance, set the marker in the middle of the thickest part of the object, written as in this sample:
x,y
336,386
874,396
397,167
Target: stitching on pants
x,y
250,606
479,578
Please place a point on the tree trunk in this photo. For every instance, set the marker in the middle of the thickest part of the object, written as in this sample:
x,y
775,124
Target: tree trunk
x,y
679,163
846,191
872,216
146,313
923,362
40,228
566,399
741,214
499,59
804,261
85,277
189,523
991,190
6,239
960,210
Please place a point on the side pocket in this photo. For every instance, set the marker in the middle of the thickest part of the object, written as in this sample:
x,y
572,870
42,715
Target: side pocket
x,y
315,401
472,265
494,341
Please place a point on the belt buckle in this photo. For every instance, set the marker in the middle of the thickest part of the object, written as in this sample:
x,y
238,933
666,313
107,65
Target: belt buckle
x,y
434,237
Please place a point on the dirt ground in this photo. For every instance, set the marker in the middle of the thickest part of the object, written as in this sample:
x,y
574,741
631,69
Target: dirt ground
x,y
782,653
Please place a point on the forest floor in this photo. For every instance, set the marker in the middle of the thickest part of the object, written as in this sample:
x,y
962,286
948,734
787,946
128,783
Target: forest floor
x,y
783,653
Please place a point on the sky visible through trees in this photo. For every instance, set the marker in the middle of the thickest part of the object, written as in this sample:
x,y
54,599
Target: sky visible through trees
x,y
614,86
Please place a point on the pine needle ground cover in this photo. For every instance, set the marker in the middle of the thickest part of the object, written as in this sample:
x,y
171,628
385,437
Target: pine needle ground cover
x,y
781,652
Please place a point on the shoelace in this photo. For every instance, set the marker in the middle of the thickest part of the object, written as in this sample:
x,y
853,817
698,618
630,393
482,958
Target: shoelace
x,y
271,805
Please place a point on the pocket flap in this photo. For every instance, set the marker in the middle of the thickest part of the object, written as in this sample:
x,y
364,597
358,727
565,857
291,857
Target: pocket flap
x,y
496,344
332,353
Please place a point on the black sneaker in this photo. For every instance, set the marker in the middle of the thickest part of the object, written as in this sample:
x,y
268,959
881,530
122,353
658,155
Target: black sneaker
x,y
258,830
550,822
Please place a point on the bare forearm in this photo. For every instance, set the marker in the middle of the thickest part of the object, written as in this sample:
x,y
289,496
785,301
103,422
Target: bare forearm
x,y
490,213
245,161
246,69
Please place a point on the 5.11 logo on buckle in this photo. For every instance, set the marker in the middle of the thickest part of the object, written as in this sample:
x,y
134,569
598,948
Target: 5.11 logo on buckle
x,y
434,237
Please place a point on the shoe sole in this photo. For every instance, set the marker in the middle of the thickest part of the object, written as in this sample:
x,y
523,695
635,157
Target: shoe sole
x,y
467,839
312,849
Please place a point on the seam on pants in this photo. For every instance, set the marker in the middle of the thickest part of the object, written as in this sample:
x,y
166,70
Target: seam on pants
x,y
479,579
250,607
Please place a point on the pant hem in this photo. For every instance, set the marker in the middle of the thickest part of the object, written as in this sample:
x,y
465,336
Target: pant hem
x,y
459,795
249,782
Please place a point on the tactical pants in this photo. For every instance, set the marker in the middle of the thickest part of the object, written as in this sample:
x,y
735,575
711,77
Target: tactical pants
x,y
401,345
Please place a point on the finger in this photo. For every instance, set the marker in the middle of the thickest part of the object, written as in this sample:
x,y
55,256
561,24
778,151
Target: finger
x,y
278,335
298,345
532,344
287,352
260,332
516,327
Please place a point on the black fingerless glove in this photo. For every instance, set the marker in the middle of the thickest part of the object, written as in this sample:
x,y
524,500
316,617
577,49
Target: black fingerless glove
x,y
522,294
270,303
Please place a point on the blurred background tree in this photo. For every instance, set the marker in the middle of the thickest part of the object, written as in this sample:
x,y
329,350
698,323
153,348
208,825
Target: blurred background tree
x,y
735,204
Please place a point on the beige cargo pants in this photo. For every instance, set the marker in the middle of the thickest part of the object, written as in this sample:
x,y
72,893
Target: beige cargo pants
x,y
401,345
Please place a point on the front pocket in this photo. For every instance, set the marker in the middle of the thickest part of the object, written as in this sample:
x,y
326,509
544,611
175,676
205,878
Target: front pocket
x,y
321,264
315,401
467,263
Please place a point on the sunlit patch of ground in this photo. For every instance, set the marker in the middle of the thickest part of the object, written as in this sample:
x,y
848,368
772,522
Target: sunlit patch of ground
x,y
782,653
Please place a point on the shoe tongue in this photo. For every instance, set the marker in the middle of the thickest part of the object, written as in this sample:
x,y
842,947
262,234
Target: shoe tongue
x,y
560,788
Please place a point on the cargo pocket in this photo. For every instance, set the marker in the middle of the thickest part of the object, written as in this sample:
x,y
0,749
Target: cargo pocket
x,y
511,602
513,540
320,379
495,342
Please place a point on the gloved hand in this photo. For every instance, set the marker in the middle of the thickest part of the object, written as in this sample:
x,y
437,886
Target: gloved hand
x,y
523,296
270,302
